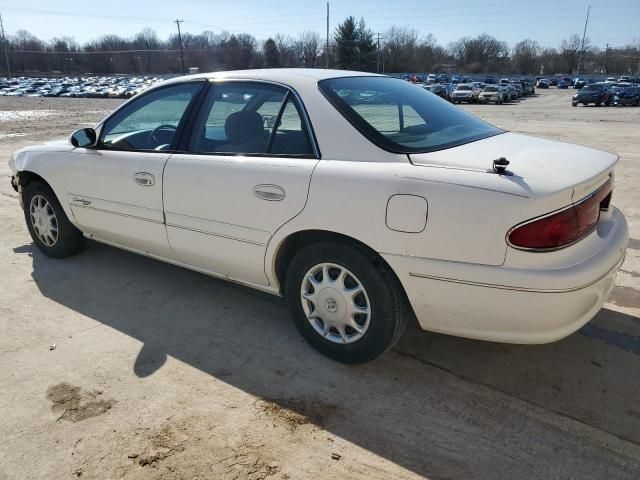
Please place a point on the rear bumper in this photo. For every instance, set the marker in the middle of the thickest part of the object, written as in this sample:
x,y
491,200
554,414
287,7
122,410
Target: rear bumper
x,y
514,305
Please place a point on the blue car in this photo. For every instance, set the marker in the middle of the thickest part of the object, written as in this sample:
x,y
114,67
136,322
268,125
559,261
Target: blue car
x,y
565,83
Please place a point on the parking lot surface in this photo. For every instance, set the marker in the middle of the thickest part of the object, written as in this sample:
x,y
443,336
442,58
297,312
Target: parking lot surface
x,y
113,365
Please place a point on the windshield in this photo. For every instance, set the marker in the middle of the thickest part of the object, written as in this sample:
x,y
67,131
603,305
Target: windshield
x,y
490,89
401,117
464,87
591,87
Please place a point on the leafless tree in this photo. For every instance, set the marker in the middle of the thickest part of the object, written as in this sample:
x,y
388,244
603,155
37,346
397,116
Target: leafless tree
x,y
526,56
310,43
400,49
483,53
570,51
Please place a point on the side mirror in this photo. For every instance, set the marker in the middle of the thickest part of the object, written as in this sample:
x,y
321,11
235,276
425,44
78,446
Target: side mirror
x,y
83,138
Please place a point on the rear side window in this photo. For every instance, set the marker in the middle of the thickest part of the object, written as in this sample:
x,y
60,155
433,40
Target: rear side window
x,y
401,117
250,118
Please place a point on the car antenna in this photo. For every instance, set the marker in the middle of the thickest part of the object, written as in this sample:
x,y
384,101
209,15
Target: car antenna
x,y
500,166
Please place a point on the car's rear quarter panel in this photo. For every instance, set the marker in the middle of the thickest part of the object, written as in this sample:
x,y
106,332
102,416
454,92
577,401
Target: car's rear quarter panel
x,y
467,220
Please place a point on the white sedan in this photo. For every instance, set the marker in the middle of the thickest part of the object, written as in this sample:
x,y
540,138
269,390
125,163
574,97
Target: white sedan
x,y
362,199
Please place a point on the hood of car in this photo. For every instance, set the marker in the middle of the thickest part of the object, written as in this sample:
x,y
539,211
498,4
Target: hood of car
x,y
559,165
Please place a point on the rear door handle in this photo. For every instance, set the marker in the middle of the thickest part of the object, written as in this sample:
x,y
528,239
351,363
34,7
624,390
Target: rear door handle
x,y
272,193
144,179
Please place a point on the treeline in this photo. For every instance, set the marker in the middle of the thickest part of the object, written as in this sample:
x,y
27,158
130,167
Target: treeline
x,y
352,46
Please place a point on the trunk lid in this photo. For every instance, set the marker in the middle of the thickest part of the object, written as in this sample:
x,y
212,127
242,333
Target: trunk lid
x,y
557,165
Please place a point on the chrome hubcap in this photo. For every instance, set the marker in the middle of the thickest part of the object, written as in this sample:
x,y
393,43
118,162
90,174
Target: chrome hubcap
x,y
335,303
43,220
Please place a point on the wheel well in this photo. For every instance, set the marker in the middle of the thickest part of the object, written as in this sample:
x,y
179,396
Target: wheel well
x,y
298,240
27,177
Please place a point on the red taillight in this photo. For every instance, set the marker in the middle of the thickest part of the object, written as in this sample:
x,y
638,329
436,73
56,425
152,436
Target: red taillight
x,y
564,227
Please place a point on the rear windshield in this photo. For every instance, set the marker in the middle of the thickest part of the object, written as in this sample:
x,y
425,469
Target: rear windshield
x,y
401,117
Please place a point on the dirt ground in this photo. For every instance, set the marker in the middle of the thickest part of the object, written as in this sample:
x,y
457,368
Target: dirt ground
x,y
113,365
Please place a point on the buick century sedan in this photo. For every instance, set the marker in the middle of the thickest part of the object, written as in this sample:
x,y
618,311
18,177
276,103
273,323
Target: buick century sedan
x,y
364,200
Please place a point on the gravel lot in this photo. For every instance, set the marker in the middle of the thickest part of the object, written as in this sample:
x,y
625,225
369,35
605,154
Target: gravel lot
x,y
159,372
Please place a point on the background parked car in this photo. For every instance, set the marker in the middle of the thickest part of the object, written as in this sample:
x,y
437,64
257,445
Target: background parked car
x,y
627,96
438,89
86,87
580,82
596,93
491,94
565,83
465,92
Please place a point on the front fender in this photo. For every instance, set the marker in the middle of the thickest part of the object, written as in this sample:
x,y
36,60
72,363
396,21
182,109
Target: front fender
x,y
45,161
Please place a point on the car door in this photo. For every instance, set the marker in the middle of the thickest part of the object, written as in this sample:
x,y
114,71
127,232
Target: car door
x,y
246,172
115,188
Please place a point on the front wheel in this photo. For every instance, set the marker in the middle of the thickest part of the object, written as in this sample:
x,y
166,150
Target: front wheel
x,y
347,307
48,225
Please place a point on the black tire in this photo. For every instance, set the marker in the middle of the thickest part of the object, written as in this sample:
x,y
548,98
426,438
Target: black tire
x,y
388,304
69,241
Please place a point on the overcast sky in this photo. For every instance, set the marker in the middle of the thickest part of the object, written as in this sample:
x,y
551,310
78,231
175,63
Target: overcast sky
x,y
616,22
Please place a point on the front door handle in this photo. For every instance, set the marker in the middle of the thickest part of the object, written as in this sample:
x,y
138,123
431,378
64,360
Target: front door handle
x,y
144,179
273,193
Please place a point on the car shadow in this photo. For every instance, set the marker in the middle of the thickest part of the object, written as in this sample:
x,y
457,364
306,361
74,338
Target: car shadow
x,y
440,406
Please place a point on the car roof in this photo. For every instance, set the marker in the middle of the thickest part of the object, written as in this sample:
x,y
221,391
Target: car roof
x,y
280,75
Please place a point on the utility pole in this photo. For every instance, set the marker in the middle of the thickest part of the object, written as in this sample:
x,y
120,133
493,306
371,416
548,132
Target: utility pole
x,y
326,50
178,22
606,60
6,51
584,34
378,52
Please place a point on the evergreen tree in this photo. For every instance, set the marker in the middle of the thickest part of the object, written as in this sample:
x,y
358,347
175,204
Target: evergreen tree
x,y
354,45
346,44
271,54
366,48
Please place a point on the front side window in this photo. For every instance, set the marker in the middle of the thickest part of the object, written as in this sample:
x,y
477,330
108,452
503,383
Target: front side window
x,y
401,117
250,119
149,122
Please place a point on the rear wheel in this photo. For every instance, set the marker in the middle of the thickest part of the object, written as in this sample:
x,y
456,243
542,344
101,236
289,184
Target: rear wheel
x,y
344,305
50,229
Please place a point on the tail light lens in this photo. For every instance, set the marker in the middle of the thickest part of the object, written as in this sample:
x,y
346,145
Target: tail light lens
x,y
565,227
